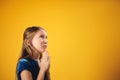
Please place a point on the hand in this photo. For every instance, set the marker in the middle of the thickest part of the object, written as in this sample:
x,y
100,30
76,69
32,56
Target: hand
x,y
44,62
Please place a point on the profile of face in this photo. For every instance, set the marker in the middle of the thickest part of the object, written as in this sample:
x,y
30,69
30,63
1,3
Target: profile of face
x,y
39,41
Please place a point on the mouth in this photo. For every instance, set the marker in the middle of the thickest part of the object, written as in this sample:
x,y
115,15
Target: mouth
x,y
44,46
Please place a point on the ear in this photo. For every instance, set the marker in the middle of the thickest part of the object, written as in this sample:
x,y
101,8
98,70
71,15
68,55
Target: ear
x,y
28,42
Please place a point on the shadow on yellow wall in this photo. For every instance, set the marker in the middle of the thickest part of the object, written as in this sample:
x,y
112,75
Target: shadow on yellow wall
x,y
84,37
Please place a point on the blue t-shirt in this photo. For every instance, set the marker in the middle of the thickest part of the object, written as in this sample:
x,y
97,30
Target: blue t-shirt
x,y
30,65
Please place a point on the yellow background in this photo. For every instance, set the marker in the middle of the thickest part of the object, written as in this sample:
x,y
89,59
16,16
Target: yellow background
x,y
84,36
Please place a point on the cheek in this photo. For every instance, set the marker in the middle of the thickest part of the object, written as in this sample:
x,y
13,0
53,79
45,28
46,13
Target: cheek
x,y
36,43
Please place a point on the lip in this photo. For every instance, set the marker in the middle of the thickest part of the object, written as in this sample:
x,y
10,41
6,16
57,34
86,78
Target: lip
x,y
44,46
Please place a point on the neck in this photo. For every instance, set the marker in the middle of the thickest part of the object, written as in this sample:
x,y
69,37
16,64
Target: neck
x,y
37,55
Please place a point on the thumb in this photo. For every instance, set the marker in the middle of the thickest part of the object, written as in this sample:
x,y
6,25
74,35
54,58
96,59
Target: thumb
x,y
39,57
45,53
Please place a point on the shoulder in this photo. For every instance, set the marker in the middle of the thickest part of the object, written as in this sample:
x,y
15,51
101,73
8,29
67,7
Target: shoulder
x,y
23,61
24,64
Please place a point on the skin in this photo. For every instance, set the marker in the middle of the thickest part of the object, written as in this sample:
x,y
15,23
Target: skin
x,y
39,42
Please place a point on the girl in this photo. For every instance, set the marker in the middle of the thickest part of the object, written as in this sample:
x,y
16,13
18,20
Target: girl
x,y
32,65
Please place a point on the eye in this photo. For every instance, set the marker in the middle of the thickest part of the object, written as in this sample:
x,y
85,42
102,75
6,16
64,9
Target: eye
x,y
46,37
41,36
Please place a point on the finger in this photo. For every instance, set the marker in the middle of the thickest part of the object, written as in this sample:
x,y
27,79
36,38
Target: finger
x,y
45,54
39,58
48,60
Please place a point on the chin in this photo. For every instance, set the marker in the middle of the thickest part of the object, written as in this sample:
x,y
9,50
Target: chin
x,y
42,50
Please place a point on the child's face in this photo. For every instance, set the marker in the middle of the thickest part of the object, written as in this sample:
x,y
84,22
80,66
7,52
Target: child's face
x,y
39,41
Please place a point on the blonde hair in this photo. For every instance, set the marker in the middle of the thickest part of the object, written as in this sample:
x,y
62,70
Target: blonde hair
x,y
27,48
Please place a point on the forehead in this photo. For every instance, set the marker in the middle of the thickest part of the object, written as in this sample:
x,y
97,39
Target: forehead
x,y
41,32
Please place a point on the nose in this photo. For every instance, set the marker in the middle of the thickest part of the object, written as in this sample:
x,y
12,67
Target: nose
x,y
45,41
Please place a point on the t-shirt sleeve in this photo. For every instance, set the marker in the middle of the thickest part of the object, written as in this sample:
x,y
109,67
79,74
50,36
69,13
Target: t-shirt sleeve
x,y
23,64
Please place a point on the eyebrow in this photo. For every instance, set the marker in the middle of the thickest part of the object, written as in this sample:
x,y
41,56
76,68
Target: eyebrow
x,y
42,35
